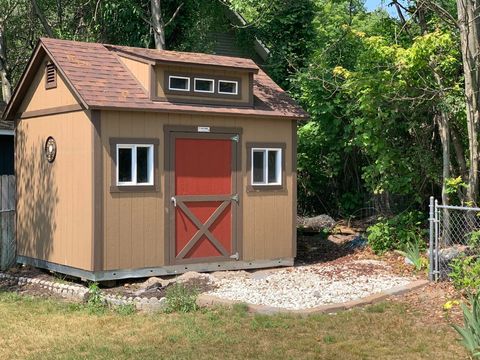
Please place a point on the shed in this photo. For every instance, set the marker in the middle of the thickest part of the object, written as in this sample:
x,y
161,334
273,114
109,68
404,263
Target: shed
x,y
135,162
6,144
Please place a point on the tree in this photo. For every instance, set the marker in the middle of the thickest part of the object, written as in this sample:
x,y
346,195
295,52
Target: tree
x,y
469,28
158,25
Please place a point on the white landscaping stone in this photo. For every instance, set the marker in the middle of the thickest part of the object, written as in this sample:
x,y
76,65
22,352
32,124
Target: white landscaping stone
x,y
308,286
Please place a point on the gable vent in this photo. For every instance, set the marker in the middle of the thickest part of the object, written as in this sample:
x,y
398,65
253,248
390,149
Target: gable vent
x,y
50,76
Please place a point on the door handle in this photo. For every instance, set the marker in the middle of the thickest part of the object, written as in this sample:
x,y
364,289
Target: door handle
x,y
173,199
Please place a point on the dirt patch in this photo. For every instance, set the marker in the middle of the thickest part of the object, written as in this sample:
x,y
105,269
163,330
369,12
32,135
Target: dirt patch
x,y
157,287
11,285
429,303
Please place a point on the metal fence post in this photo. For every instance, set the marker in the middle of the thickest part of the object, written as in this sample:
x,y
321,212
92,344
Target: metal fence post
x,y
431,220
437,234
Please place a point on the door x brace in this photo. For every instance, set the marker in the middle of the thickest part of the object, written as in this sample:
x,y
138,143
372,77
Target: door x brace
x,y
203,228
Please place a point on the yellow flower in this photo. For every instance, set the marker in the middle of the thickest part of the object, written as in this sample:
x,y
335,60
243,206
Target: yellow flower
x,y
449,304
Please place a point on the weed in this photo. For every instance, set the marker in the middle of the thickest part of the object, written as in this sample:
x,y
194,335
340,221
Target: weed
x,y
329,339
412,253
125,310
181,299
95,303
377,308
240,309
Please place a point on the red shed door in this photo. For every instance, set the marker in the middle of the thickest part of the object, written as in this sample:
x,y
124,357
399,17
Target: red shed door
x,y
204,200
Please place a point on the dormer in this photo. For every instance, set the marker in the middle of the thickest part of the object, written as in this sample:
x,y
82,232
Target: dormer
x,y
203,85
189,78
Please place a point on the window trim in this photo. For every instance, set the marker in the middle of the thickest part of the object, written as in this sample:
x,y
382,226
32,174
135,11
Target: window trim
x,y
254,187
134,169
153,185
278,174
200,97
178,77
227,81
203,91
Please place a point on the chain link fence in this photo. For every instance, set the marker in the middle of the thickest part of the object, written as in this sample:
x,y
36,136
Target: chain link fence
x,y
454,232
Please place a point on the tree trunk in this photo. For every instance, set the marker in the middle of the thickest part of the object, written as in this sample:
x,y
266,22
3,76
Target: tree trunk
x,y
443,129
158,25
459,153
6,87
469,25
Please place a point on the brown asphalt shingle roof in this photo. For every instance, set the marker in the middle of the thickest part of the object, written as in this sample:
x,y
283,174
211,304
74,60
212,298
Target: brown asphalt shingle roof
x,y
103,82
188,57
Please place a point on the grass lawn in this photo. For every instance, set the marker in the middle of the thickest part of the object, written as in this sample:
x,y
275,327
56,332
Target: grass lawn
x,y
33,328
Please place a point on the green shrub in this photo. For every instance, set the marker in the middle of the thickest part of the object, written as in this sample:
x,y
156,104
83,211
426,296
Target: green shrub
x,y
474,239
397,233
470,332
181,299
465,273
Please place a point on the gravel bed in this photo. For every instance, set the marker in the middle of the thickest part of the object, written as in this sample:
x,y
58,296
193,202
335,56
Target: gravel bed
x,y
308,286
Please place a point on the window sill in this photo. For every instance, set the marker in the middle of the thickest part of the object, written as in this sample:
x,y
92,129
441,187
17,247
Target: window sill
x,y
133,188
266,188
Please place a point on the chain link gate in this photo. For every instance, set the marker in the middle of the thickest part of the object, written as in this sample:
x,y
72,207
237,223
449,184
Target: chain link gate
x,y
454,231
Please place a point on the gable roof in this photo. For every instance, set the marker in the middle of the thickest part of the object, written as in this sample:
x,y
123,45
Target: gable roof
x,y
100,81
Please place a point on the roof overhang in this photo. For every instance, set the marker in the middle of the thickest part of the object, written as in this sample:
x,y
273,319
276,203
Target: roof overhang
x,y
26,79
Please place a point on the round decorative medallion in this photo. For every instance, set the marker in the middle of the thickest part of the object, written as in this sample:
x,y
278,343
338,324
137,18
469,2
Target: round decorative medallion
x,y
50,149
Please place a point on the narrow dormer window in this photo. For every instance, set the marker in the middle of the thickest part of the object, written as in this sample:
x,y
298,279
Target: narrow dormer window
x,y
50,76
204,85
228,87
179,83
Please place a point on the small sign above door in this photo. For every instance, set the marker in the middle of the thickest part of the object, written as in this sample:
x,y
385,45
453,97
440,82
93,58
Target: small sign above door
x,y
204,129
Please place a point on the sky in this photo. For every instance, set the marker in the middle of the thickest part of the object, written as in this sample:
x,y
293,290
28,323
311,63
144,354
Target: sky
x,y
373,4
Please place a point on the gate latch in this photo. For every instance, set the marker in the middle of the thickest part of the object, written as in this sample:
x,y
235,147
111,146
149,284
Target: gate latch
x,y
235,198
235,256
174,201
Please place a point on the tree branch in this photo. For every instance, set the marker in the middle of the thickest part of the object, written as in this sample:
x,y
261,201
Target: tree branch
x,y
174,15
43,20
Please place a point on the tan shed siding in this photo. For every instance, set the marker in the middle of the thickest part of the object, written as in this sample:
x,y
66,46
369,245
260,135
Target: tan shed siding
x,y
134,223
140,70
55,201
40,98
243,76
267,224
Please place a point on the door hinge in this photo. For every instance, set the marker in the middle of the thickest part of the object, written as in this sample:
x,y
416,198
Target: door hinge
x,y
235,138
173,199
235,256
235,198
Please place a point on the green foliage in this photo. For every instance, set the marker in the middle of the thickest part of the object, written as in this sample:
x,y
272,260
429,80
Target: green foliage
x,y
470,332
95,303
474,239
181,298
397,233
465,273
454,186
